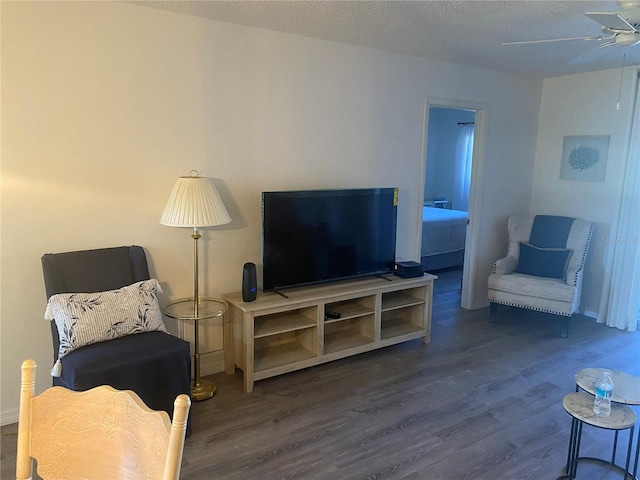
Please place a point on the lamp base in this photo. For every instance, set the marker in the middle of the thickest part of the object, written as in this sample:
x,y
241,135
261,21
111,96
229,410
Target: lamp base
x,y
202,390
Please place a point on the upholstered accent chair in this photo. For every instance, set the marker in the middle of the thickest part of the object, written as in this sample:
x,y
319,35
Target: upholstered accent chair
x,y
154,364
544,266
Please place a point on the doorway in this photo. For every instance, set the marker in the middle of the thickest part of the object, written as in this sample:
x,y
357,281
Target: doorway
x,y
446,191
445,123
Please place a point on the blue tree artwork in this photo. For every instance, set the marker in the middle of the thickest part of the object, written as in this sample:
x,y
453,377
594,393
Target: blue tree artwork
x,y
584,157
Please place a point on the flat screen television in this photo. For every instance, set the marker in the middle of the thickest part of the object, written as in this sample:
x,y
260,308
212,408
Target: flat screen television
x,y
316,236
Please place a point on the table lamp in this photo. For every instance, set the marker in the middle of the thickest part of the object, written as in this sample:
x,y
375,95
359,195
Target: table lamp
x,y
195,203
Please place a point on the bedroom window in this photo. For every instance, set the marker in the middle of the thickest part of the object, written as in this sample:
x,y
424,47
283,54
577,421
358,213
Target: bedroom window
x,y
462,172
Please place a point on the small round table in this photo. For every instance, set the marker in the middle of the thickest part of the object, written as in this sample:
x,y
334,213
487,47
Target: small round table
x,y
188,309
626,391
626,388
580,406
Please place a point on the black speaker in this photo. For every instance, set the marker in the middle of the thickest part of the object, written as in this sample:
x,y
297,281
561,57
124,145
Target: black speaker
x,y
249,282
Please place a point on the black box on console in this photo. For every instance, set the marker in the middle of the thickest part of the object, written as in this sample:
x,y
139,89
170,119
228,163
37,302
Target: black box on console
x,y
408,270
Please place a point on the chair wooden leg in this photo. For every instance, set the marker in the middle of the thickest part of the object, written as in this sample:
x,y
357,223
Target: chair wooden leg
x,y
565,327
24,462
493,312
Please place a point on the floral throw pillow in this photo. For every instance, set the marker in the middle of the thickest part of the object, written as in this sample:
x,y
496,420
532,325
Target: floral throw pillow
x,y
86,318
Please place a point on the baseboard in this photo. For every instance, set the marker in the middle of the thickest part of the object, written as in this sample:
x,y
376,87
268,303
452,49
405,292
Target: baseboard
x,y
211,363
590,314
9,417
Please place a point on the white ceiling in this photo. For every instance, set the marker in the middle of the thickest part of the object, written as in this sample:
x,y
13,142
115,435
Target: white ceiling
x,y
468,32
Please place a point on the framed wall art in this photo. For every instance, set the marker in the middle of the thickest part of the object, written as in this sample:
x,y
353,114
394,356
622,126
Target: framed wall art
x,y
584,158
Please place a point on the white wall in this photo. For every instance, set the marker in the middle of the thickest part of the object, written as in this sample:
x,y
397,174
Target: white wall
x,y
105,104
584,105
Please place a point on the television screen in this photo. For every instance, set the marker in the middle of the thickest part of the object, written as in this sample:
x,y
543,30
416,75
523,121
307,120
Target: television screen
x,y
317,236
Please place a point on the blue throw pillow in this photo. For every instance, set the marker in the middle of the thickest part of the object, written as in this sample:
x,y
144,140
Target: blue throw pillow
x,y
543,262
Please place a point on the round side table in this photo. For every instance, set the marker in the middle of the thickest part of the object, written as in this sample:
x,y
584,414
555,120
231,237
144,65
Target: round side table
x,y
626,390
580,406
203,309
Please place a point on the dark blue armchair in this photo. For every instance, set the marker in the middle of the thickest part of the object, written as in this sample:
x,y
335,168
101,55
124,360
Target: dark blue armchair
x,y
155,365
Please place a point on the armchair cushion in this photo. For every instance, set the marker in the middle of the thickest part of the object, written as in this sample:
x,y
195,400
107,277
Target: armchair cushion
x,y
528,286
543,262
153,364
85,318
550,231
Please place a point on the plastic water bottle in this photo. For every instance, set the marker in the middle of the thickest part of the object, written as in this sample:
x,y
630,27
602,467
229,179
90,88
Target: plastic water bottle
x,y
602,402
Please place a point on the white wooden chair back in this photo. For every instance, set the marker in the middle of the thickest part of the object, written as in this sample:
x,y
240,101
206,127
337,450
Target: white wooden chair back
x,y
96,434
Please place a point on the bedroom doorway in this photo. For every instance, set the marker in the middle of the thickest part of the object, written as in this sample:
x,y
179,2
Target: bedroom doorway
x,y
446,196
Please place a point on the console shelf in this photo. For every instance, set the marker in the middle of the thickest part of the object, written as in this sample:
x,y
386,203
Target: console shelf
x,y
288,321
275,335
268,358
402,299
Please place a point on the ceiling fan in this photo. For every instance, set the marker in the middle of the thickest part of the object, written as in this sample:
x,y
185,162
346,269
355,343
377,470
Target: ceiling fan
x,y
620,28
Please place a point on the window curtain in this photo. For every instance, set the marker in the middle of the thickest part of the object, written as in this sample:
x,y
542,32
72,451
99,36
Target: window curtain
x,y
621,292
462,177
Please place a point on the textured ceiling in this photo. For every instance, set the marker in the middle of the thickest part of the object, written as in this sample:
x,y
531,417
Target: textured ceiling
x,y
468,32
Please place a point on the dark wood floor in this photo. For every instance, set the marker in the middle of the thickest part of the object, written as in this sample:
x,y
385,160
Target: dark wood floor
x,y
482,401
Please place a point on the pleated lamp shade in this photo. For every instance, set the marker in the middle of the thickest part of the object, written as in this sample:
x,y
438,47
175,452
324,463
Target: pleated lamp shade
x,y
194,202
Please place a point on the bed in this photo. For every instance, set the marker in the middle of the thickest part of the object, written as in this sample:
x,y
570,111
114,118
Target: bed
x,y
443,238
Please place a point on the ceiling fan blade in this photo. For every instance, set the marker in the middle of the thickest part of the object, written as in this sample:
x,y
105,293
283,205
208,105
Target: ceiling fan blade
x,y
550,40
590,54
608,44
611,21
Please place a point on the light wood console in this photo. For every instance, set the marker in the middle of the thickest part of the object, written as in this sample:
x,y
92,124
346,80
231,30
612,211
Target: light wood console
x,y
275,335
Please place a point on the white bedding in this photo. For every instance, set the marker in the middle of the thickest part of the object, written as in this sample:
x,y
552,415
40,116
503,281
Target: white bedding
x,y
443,231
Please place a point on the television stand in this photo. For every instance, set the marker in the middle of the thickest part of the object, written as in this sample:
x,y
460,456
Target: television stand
x,y
274,335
